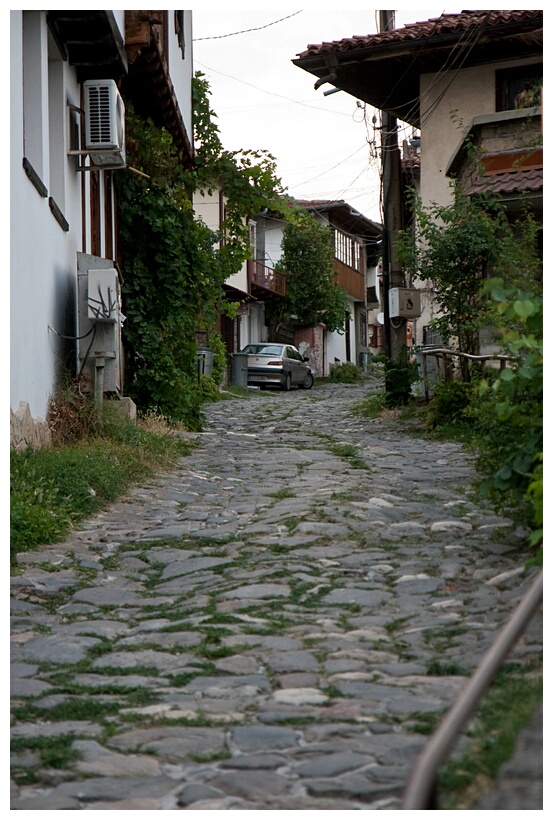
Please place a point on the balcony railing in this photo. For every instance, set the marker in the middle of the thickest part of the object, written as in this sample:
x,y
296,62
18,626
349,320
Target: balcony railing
x,y
265,282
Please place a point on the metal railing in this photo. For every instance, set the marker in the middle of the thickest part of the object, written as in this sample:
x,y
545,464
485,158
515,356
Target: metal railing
x,y
421,790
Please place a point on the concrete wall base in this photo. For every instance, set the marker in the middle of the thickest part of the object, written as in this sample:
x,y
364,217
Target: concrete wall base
x,y
125,406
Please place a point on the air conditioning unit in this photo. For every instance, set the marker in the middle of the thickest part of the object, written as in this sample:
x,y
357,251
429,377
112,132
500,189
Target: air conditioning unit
x,y
104,295
104,123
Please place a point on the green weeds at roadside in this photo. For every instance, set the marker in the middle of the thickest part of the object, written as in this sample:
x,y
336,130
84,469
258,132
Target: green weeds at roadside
x,y
506,710
345,373
372,406
53,489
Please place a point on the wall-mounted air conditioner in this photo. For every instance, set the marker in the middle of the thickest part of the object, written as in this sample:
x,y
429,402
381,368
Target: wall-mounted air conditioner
x,y
104,116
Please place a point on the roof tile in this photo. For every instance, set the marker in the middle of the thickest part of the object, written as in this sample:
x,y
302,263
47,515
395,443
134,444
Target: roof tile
x,y
445,24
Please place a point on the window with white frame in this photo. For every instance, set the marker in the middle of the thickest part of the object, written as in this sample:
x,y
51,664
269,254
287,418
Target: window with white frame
x,y
348,249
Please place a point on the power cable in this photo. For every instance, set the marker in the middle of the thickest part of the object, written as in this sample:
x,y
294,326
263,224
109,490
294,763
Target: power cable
x,y
327,170
467,46
246,30
272,93
72,338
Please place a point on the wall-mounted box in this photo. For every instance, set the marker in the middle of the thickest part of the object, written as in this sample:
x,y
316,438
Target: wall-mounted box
x,y
404,303
99,338
103,295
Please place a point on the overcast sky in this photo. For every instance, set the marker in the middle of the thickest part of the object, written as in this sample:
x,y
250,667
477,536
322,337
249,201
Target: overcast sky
x,y
324,146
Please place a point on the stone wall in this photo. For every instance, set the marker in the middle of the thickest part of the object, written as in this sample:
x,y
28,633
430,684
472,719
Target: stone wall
x,y
27,432
309,342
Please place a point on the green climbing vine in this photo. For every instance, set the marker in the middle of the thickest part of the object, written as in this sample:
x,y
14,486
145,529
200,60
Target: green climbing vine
x,y
173,265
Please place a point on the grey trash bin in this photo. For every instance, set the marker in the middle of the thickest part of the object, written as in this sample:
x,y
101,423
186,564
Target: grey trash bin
x,y
364,360
240,369
205,361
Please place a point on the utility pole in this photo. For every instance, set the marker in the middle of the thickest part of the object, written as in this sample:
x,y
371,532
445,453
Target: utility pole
x,y
395,337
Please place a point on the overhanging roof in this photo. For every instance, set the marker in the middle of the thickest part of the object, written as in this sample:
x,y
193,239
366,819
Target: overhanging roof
x,y
356,222
384,69
91,41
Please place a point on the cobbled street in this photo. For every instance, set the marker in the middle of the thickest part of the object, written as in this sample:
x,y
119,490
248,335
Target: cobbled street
x,y
274,625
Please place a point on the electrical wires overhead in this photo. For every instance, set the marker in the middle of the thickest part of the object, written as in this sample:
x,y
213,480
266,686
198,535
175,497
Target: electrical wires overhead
x,y
246,30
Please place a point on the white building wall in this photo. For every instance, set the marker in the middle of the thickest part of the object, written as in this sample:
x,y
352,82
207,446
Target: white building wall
x,y
43,255
274,234
469,93
181,70
336,342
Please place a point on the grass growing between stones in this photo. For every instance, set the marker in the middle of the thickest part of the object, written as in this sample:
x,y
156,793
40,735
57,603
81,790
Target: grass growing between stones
x,y
280,495
445,668
55,753
491,739
74,708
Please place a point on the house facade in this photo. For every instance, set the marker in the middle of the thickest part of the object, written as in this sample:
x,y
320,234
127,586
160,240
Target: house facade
x,y
356,253
70,73
475,72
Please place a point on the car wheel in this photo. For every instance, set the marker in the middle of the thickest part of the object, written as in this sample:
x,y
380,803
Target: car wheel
x,y
308,382
287,382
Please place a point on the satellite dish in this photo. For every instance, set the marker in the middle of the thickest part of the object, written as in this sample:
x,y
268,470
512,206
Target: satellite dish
x,y
380,318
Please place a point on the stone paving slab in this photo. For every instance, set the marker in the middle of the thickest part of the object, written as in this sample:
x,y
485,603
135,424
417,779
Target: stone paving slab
x,y
264,628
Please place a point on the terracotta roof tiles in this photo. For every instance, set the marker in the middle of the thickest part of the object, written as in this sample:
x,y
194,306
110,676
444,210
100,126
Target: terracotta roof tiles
x,y
437,26
511,182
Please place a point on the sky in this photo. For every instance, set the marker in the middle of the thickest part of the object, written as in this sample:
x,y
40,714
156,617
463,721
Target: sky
x,y
325,147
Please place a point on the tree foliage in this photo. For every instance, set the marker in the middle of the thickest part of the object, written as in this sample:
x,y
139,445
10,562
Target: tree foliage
x,y
457,247
312,296
247,178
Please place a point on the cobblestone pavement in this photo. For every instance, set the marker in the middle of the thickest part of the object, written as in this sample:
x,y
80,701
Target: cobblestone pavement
x,y
269,627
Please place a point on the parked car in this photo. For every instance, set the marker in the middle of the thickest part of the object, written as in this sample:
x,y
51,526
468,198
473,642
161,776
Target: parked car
x,y
270,363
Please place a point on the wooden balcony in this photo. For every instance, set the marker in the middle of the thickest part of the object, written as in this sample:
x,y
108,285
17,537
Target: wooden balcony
x,y
350,279
265,283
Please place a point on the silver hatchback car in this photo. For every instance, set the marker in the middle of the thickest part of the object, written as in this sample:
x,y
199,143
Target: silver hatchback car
x,y
271,363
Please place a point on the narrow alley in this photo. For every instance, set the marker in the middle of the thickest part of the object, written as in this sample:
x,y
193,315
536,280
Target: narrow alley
x,y
275,625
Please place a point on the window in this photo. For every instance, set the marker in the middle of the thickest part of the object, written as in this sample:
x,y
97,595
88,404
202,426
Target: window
x,y
348,250
519,87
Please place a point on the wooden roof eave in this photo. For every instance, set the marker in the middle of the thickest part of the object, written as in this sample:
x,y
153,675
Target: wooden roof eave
x,y
146,61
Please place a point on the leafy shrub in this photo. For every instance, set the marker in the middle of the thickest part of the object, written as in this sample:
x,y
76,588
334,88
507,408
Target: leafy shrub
x,y
209,389
449,403
510,410
346,373
219,357
400,374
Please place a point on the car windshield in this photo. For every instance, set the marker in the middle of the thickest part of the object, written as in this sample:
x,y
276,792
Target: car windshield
x,y
269,350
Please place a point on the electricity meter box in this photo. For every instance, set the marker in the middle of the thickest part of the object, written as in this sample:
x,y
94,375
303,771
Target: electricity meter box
x,y
404,303
99,323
